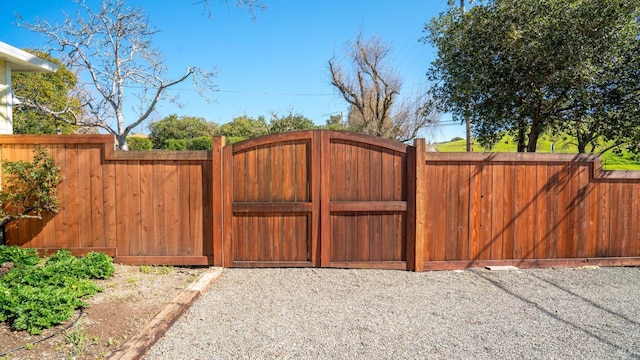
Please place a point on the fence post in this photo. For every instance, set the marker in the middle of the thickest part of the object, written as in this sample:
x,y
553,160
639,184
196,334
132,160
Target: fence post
x,y
217,191
416,220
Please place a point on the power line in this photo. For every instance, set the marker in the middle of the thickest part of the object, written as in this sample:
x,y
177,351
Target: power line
x,y
239,92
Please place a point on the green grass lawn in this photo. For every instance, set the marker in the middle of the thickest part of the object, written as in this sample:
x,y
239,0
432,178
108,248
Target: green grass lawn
x,y
610,160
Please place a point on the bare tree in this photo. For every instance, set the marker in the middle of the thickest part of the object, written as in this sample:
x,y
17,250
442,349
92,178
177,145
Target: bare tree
x,y
113,48
372,89
251,5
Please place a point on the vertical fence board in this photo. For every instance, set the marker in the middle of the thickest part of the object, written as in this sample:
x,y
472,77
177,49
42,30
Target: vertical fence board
x,y
450,234
147,226
98,233
583,212
497,218
133,206
464,183
509,213
540,231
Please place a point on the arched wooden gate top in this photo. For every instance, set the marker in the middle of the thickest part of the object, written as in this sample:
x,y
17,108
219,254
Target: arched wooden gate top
x,y
317,198
331,134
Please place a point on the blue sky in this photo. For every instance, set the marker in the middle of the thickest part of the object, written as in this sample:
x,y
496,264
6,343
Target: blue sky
x,y
277,62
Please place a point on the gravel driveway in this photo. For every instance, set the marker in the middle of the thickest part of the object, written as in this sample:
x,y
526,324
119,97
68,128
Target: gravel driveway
x,y
584,313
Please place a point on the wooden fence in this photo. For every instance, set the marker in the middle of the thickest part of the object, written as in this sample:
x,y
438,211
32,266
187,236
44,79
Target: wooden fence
x,y
529,210
142,207
332,199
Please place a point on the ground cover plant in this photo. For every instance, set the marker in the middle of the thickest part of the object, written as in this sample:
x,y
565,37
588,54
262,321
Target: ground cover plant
x,y
37,294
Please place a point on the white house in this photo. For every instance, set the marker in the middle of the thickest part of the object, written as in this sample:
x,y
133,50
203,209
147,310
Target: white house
x,y
13,60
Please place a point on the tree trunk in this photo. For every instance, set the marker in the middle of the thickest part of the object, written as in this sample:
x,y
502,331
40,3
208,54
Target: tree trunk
x,y
521,137
533,140
122,142
534,133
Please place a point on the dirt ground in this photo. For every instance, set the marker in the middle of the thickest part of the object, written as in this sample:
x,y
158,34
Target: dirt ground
x,y
133,296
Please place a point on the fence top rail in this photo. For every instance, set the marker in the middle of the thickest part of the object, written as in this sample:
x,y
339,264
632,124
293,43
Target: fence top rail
x,y
593,160
108,142
57,139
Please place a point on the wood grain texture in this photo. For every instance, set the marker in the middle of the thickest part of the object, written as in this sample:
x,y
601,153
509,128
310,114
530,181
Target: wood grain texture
x,y
324,198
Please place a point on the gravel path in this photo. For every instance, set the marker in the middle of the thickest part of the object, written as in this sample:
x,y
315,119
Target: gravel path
x,y
585,313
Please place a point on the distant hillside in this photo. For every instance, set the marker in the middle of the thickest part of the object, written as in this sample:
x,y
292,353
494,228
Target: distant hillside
x,y
610,160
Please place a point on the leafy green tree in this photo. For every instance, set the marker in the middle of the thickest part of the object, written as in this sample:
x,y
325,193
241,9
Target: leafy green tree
x,y
291,122
200,143
47,105
336,122
175,144
243,127
137,143
528,66
179,128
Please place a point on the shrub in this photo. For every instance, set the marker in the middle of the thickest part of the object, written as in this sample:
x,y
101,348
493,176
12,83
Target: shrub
x,y
457,138
139,143
175,144
34,298
30,188
200,143
18,256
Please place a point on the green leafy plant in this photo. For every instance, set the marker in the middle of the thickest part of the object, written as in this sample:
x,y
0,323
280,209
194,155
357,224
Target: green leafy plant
x,y
139,143
34,298
30,188
18,256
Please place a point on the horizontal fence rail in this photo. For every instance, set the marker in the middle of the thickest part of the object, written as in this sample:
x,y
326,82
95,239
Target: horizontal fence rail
x,y
432,210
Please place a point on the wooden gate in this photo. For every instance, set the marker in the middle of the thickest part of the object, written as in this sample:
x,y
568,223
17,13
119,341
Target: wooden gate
x,y
316,198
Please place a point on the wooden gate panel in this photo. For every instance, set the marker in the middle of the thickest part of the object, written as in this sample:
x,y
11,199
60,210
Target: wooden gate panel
x,y
285,186
366,200
271,209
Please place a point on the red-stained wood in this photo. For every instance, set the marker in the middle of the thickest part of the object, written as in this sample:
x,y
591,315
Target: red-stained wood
x,y
486,201
201,175
227,207
347,191
133,206
474,210
362,188
462,233
217,200
552,193
375,194
70,183
98,233
309,246
497,216
121,215
540,205
85,239
451,209
417,191
184,208
583,212
508,211
529,214
332,241
147,215
519,216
